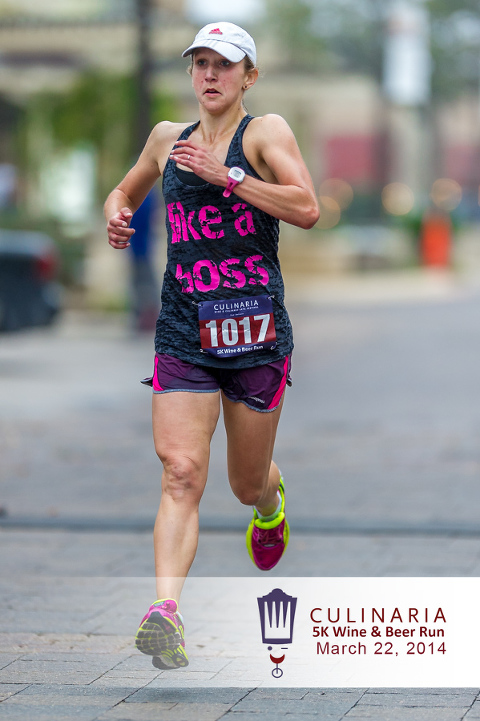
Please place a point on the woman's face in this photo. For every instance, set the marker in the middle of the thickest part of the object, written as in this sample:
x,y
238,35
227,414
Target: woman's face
x,y
217,82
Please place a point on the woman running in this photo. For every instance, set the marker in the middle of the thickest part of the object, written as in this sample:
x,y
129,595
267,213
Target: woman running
x,y
223,330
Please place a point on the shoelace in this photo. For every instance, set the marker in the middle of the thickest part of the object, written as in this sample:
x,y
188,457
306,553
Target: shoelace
x,y
269,536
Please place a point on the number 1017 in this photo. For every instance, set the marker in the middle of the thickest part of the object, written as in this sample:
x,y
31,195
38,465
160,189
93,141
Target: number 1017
x,y
234,331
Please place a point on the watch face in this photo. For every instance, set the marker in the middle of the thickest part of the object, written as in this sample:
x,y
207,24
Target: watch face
x,y
237,174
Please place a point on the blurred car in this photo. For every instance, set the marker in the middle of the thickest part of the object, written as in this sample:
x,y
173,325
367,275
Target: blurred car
x,y
29,291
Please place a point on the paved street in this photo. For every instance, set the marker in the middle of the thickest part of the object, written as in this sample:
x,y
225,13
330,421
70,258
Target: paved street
x,y
379,446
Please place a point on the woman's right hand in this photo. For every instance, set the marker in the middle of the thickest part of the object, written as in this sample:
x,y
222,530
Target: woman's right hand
x,y
118,229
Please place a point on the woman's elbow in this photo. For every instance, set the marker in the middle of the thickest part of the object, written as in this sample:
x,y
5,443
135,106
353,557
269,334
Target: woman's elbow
x,y
309,216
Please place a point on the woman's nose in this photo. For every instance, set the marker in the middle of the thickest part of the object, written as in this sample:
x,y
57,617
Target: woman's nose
x,y
210,72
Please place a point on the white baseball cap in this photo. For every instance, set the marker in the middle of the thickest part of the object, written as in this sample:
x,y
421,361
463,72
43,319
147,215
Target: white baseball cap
x,y
227,39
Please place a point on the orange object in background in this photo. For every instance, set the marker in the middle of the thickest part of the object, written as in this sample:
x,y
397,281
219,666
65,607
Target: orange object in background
x,y
436,239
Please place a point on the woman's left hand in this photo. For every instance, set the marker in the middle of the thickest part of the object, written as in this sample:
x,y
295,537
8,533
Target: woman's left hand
x,y
200,161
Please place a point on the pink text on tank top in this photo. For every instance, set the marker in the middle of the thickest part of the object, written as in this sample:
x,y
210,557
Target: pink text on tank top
x,y
207,275
181,222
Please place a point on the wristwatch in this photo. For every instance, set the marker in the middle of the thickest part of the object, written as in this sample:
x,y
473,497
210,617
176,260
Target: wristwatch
x,y
235,176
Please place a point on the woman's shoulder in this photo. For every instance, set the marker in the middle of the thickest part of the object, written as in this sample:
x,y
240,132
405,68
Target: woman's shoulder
x,y
268,118
264,127
166,130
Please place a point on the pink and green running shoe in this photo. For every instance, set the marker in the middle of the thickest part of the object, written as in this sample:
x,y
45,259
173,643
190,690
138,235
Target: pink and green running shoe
x,y
161,635
267,540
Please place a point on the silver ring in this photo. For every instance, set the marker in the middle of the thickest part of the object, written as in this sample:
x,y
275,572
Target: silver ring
x,y
188,157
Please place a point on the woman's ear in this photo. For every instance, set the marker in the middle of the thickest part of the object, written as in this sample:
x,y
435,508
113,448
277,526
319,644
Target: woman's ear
x,y
251,79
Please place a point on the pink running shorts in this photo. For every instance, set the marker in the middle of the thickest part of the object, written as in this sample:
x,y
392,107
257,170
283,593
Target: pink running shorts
x,y
260,388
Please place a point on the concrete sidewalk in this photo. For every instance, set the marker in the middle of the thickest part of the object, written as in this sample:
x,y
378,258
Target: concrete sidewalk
x,y
74,656
380,433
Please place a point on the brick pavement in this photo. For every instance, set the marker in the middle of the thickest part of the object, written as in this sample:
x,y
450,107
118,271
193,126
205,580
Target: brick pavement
x,y
381,425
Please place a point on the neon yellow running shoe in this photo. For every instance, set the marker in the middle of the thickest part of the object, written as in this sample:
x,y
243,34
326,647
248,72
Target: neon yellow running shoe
x,y
161,635
267,540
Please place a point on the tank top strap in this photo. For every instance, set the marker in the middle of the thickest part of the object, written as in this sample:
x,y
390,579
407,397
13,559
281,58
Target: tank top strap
x,y
169,178
235,155
188,131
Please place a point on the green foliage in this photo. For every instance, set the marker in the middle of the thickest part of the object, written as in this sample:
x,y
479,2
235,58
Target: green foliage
x,y
99,111
319,35
290,22
90,110
349,35
455,46
164,107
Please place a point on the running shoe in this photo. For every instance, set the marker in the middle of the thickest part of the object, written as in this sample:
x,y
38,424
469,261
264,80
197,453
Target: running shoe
x,y
161,635
267,540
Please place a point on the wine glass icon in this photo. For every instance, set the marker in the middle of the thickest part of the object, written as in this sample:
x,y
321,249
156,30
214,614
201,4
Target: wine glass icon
x,y
277,671
277,614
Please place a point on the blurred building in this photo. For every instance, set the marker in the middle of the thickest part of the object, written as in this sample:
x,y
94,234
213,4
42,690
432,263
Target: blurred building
x,y
355,140
48,46
344,126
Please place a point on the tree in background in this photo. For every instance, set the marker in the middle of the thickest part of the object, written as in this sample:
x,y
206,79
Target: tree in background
x,y
98,112
348,36
324,36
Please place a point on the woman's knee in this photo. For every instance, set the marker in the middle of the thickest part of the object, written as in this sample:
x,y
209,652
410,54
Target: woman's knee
x,y
183,477
249,497
249,492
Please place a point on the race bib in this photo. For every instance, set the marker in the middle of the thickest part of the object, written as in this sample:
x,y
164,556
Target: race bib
x,y
237,326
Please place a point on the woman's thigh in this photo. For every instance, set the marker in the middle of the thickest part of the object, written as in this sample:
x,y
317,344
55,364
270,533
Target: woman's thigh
x,y
183,425
250,442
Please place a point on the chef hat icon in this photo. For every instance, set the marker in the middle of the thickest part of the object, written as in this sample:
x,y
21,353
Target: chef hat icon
x,y
277,615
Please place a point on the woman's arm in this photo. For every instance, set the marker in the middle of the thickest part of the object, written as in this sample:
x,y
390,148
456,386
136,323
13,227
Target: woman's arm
x,y
130,193
288,193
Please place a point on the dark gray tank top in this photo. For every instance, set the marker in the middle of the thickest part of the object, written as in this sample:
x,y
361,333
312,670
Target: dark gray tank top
x,y
218,249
